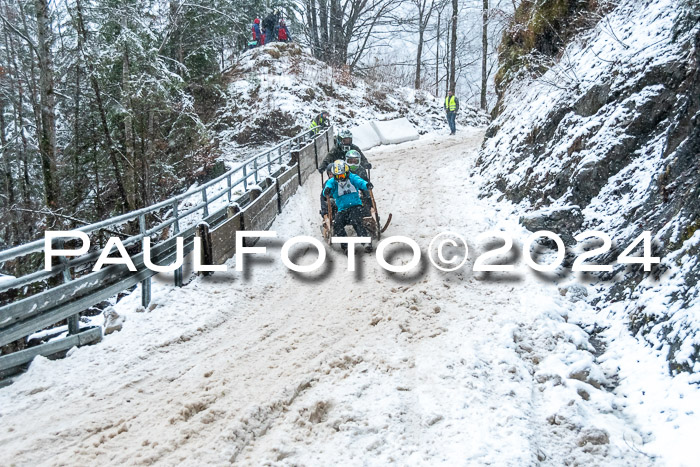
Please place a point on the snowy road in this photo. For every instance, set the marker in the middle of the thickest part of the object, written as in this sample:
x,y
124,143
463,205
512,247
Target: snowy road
x,y
363,369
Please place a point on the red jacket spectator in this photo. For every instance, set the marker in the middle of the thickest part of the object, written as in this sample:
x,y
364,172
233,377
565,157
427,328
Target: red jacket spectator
x,y
283,32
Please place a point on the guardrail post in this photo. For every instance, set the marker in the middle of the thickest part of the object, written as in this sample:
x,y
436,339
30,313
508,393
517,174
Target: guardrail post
x,y
316,152
232,210
206,202
228,182
269,164
146,283
245,176
255,168
255,193
295,160
73,320
177,275
278,188
205,244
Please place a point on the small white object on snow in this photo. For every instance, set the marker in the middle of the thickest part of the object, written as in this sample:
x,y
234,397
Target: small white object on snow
x,y
113,320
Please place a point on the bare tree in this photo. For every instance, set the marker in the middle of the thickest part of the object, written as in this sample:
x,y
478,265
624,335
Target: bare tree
x,y
484,52
47,142
425,11
80,29
346,30
453,46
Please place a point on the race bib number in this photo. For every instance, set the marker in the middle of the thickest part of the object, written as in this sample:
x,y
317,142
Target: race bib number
x,y
346,188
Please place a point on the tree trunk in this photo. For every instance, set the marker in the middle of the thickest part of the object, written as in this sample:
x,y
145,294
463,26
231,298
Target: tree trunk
x,y
453,46
31,86
103,115
313,27
484,52
323,18
148,157
437,56
76,129
419,53
19,120
448,54
47,142
9,186
129,172
333,32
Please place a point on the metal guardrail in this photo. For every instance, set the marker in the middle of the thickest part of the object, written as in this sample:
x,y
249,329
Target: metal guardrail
x,y
70,287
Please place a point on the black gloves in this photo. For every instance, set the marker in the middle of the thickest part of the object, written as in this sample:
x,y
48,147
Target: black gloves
x,y
327,192
320,170
369,185
369,165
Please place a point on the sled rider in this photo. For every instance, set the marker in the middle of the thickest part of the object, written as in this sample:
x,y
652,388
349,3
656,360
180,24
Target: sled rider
x,y
344,188
343,144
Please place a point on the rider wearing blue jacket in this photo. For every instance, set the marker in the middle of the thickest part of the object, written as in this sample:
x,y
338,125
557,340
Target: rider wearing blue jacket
x,y
345,188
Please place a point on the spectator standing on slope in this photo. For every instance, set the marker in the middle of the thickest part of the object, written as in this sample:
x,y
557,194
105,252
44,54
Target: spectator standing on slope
x,y
257,35
451,109
283,32
320,122
269,24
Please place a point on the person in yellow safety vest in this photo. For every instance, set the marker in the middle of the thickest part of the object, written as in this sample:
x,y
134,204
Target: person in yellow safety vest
x,y
451,108
321,121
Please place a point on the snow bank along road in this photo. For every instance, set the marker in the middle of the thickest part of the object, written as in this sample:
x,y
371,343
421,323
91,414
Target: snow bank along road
x,y
337,368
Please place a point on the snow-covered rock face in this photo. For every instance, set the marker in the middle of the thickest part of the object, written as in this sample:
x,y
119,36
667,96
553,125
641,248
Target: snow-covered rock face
x,y
613,129
276,90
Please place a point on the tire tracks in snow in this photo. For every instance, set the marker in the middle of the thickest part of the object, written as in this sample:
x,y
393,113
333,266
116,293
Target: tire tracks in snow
x,y
426,368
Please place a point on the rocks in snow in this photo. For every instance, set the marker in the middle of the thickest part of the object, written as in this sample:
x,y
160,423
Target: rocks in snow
x,y
594,436
564,221
574,292
113,320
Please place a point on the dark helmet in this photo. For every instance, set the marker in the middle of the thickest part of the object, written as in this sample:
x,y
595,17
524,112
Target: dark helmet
x,y
344,139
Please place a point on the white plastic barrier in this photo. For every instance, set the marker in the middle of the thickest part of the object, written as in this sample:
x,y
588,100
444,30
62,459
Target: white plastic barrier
x,y
365,137
395,131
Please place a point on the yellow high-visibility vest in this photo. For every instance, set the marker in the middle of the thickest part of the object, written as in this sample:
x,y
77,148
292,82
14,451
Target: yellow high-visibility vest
x,y
450,103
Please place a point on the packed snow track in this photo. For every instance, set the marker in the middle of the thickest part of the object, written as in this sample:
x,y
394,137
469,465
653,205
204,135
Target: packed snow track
x,y
365,368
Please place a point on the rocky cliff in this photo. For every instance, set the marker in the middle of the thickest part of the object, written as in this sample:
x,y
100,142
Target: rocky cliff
x,y
599,130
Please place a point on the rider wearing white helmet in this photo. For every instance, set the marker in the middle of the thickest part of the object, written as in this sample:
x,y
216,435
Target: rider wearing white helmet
x,y
343,144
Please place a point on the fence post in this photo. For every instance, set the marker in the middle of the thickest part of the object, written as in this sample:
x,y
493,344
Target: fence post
x,y
205,244
146,283
73,320
279,195
228,182
255,168
232,210
316,151
177,275
206,202
255,193
296,160
328,143
245,177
